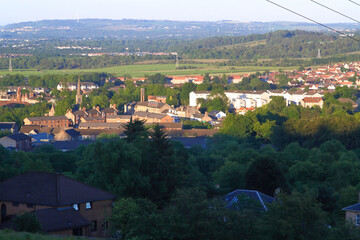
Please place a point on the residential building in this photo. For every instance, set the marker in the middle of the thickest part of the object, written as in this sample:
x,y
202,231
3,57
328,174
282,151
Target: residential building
x,y
312,101
54,121
234,199
18,141
63,206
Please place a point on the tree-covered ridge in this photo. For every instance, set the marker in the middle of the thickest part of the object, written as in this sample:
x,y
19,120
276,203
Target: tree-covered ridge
x,y
294,45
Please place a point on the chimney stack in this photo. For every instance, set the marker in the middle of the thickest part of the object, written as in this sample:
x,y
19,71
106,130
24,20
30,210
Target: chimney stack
x,y
142,95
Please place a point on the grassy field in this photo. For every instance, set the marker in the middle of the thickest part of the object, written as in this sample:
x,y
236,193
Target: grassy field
x,y
11,235
166,69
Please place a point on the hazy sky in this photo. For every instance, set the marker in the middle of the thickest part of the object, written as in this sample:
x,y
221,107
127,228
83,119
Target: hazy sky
x,y
12,11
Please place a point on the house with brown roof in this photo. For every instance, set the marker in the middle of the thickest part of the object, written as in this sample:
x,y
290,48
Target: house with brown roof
x,y
312,101
150,117
63,206
152,107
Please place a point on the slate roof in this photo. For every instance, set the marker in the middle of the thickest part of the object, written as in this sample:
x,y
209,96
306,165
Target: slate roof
x,y
7,125
53,219
50,189
93,111
355,208
19,136
149,115
152,104
262,198
109,110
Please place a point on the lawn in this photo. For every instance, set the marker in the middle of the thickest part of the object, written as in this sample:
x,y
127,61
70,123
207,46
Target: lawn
x,y
166,69
11,235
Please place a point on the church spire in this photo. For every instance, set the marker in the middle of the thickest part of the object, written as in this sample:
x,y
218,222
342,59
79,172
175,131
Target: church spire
x,y
78,93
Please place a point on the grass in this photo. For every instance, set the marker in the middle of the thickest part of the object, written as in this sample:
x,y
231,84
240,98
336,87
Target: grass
x,y
166,69
247,44
11,235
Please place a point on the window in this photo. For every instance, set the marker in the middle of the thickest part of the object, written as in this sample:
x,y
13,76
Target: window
x,y
76,207
15,204
104,225
93,226
30,205
88,205
357,219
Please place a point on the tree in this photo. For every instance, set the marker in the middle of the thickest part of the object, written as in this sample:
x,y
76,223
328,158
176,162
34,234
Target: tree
x,y
294,217
135,129
265,176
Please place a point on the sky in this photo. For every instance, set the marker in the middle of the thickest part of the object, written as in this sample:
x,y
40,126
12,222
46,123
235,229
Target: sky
x,y
14,11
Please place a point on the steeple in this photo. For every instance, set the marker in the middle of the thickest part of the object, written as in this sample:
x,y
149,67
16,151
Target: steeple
x,y
78,93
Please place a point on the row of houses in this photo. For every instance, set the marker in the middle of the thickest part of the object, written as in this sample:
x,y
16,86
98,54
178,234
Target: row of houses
x,y
255,99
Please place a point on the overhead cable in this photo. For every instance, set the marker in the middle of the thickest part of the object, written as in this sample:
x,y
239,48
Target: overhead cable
x,y
331,9
321,24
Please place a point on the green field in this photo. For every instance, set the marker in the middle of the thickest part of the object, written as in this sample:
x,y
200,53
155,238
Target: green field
x,y
166,69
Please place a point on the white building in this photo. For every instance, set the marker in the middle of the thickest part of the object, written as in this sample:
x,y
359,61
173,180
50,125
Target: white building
x,y
254,99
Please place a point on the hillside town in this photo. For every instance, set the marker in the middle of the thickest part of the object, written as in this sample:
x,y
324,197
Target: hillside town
x,y
306,88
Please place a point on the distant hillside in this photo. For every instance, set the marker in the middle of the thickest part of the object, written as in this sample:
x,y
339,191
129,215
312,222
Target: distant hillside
x,y
145,29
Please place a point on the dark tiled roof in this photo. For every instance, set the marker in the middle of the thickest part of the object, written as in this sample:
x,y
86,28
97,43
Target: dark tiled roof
x,y
93,111
80,113
7,125
149,115
70,145
93,118
49,189
119,117
189,142
109,110
19,137
355,207
101,125
152,104
52,219
257,196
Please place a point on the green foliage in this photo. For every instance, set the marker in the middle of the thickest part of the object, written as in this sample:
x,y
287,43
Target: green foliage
x,y
27,222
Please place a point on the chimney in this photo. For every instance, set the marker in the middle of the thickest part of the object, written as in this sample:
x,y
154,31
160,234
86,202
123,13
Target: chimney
x,y
142,95
84,109
114,107
98,108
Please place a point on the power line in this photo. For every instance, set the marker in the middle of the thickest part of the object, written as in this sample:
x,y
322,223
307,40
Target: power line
x,y
354,2
331,9
323,25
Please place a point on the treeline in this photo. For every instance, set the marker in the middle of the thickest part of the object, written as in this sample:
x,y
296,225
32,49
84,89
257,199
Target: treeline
x,y
51,80
241,50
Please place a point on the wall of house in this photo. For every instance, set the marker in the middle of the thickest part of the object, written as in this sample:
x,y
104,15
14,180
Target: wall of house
x,y
100,211
351,216
7,142
69,232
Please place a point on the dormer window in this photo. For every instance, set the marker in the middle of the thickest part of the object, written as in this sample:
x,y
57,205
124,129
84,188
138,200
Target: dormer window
x,y
76,206
88,205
